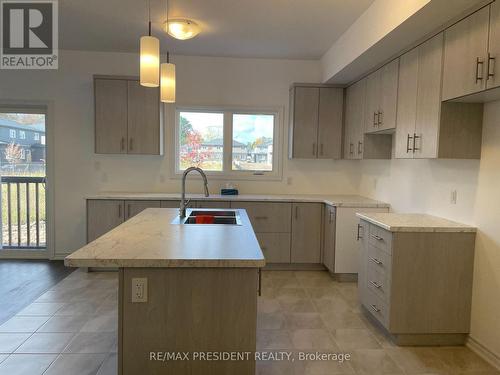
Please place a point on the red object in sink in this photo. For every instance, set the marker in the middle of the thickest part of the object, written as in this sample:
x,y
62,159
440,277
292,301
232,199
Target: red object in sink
x,y
205,219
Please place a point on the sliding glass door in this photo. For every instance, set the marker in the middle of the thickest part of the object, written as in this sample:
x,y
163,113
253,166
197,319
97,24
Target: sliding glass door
x,y
23,176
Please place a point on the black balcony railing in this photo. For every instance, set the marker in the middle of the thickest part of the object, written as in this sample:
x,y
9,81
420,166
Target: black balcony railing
x,y
23,212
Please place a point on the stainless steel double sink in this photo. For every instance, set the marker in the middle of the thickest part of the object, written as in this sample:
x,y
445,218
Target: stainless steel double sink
x,y
224,217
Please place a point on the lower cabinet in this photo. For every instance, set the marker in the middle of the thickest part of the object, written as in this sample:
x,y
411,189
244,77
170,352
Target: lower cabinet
x,y
417,285
102,216
132,208
347,237
275,246
329,218
306,232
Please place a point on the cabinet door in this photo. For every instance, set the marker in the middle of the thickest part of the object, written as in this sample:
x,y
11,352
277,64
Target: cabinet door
x,y
407,104
329,238
135,207
110,107
362,235
465,54
331,103
212,204
102,216
305,122
388,94
354,125
306,233
426,135
493,79
346,238
170,204
372,102
144,135
275,246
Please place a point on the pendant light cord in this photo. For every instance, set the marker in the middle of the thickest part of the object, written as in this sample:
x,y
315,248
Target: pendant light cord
x,y
168,26
149,17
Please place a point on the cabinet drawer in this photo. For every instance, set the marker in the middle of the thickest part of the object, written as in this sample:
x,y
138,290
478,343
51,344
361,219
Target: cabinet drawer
x,y
267,217
275,246
378,282
380,238
379,260
377,307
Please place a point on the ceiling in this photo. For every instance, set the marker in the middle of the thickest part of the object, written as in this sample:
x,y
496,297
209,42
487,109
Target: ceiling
x,y
291,29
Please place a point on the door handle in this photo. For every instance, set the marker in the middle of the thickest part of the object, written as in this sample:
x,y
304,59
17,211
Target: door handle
x,y
479,62
408,149
122,144
415,137
490,60
351,145
378,238
360,146
380,114
358,235
375,121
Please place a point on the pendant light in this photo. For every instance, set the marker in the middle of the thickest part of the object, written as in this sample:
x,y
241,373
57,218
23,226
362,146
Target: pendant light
x,y
149,57
167,89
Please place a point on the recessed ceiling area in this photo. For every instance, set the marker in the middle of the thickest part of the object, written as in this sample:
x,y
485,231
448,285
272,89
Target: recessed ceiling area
x,y
290,29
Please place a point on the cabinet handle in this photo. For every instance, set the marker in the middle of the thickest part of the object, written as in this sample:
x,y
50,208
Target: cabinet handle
x,y
122,144
376,261
131,144
358,235
296,212
490,73
375,122
380,114
378,238
408,148
415,137
321,149
375,308
360,147
351,146
314,149
120,211
330,219
260,282
479,62
375,284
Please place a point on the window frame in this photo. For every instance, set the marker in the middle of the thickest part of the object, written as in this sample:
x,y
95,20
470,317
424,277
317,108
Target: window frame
x,y
227,171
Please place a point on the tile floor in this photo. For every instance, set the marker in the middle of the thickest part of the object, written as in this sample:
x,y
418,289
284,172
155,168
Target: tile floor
x,y
71,329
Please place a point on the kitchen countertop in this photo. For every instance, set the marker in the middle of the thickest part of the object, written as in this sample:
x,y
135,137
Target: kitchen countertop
x,y
150,240
395,222
332,200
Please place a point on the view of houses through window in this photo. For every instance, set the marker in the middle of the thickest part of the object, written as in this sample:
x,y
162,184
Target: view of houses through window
x,y
201,141
22,175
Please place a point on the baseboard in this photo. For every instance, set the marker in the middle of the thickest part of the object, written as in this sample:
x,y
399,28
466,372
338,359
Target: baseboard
x,y
482,351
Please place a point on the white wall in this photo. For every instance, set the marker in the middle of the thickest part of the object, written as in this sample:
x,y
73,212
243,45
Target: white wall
x,y
201,81
426,185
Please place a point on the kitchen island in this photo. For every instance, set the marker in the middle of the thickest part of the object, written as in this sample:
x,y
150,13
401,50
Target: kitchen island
x,y
194,289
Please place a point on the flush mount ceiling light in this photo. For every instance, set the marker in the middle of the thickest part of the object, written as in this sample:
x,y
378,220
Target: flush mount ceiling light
x,y
181,28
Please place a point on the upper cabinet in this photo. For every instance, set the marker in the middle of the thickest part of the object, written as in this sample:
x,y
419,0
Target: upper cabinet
x,y
426,127
127,117
316,122
471,50
381,98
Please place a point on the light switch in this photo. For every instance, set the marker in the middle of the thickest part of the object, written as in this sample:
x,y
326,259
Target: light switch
x,y
140,289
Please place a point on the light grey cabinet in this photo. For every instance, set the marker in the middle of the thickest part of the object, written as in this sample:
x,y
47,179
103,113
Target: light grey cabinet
x,y
417,285
316,120
426,127
466,52
306,233
133,207
127,117
329,218
102,216
493,73
381,98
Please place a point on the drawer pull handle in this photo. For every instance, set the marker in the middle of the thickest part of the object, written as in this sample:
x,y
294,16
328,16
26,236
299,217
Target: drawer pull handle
x,y
376,261
375,308
378,238
358,236
375,284
261,217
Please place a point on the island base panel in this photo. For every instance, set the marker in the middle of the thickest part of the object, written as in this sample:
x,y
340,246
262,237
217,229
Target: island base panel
x,y
188,310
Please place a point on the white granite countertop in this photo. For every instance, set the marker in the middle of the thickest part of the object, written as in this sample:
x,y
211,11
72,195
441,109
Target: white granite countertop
x,y
149,239
395,222
332,200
